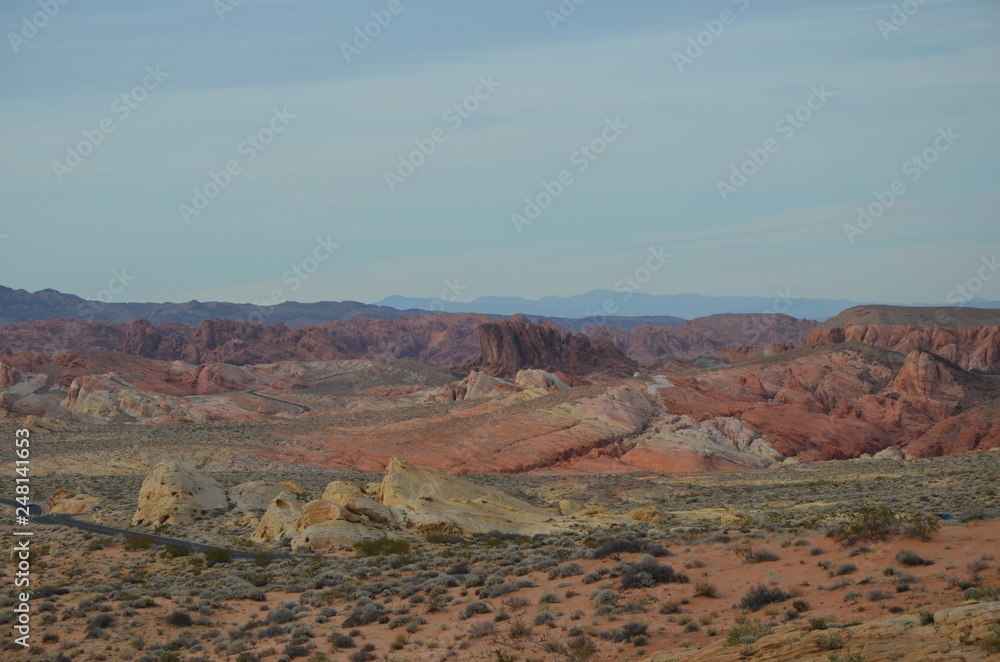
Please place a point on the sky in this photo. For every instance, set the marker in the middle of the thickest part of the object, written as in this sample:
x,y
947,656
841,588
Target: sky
x,y
266,150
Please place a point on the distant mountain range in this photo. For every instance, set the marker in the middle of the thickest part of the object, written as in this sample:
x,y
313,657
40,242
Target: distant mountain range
x,y
21,306
685,306
577,313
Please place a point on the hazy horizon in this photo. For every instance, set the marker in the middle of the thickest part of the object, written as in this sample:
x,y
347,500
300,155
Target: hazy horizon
x,y
296,120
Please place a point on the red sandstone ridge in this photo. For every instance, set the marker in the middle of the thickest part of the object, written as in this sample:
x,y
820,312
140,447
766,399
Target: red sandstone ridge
x,y
747,353
508,346
444,340
826,402
707,335
440,339
968,337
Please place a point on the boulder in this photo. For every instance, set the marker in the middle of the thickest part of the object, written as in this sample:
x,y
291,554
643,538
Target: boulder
x,y
172,494
433,501
321,510
352,497
68,503
34,405
333,534
278,521
257,495
539,379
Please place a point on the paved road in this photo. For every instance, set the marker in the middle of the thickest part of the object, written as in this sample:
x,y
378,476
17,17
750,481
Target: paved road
x,y
71,521
301,407
38,516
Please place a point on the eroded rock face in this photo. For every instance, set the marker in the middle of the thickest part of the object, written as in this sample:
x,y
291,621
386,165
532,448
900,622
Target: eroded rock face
x,y
334,534
66,502
708,335
409,499
109,397
432,501
970,347
354,498
319,525
476,386
278,521
929,384
539,379
827,403
34,405
172,494
511,345
257,495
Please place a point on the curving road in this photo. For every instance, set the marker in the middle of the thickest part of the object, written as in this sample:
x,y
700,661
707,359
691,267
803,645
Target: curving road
x,y
70,520
301,407
37,514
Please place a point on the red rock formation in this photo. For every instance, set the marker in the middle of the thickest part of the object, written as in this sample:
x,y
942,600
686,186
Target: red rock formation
x,y
706,335
975,430
971,348
747,353
511,345
829,402
445,340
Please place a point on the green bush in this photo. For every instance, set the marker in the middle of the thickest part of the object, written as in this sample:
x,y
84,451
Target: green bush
x,y
920,526
830,642
760,596
383,546
866,523
909,557
138,542
218,555
991,642
747,633
175,550
705,590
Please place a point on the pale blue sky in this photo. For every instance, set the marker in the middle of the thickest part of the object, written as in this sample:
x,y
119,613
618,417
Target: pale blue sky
x,y
323,175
